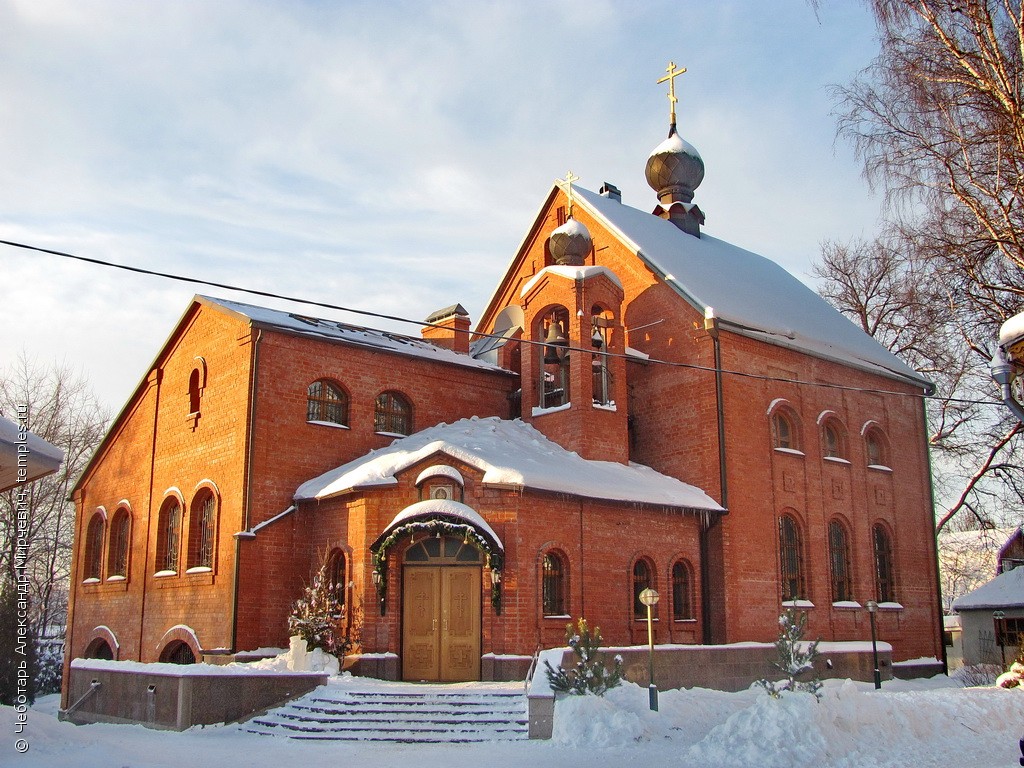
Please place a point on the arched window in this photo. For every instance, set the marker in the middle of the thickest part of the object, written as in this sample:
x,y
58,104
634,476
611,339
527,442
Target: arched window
x,y
784,430
600,324
885,586
94,546
833,439
875,446
194,393
553,588
553,367
326,401
392,414
120,543
791,560
202,530
337,580
99,649
168,535
196,385
682,591
839,562
178,652
641,581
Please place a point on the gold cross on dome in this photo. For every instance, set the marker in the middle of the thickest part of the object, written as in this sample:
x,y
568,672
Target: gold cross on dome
x,y
570,177
673,72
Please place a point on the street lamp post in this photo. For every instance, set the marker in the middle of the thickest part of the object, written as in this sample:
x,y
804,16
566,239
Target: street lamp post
x,y
998,617
650,597
872,609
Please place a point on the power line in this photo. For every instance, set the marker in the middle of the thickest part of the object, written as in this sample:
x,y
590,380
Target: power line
x,y
423,323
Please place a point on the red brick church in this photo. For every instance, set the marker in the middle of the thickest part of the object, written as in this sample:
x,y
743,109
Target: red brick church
x,y
640,405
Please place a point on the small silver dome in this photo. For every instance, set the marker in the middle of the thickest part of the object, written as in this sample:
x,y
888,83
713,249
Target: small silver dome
x,y
570,244
674,170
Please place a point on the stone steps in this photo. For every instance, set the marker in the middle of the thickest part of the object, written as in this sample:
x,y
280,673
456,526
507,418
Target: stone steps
x,y
406,714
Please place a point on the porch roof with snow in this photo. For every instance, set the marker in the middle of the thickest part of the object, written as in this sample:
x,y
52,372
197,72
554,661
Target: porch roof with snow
x,y
750,294
511,454
38,458
1004,591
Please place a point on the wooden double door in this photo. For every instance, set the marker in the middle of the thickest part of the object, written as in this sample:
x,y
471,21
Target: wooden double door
x,y
441,622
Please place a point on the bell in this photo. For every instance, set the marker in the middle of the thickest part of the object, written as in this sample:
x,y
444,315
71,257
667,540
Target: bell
x,y
555,344
597,340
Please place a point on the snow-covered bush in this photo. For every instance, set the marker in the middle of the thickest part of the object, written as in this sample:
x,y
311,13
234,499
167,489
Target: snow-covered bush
x,y
796,658
49,665
313,615
590,675
1013,678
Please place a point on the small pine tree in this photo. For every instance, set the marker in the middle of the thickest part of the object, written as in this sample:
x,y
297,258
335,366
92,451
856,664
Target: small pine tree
x,y
312,615
796,658
590,675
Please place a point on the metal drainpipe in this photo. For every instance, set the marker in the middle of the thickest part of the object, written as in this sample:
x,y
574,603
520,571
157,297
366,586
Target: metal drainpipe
x,y
247,488
711,326
159,375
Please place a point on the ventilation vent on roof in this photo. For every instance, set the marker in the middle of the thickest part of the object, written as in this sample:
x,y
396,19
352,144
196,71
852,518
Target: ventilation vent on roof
x,y
611,192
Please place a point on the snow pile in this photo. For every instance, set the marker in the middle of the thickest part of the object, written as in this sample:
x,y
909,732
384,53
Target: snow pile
x,y
600,721
908,723
853,725
295,659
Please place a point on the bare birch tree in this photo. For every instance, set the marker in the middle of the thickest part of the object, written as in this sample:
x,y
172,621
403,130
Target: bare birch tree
x,y
937,121
61,409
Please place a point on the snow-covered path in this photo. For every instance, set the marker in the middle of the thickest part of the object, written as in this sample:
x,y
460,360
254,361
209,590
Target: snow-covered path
x,y
929,723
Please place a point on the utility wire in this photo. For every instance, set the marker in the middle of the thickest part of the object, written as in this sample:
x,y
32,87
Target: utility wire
x,y
422,323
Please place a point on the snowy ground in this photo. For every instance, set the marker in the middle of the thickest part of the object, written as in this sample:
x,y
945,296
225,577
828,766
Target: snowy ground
x,y
925,723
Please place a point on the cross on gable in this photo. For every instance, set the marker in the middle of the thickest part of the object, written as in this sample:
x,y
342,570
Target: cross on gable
x,y
674,71
566,184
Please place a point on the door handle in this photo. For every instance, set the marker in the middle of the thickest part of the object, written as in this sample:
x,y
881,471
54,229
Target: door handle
x,y
433,626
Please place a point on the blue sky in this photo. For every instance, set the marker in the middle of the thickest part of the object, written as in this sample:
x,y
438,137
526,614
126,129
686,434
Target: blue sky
x,y
384,155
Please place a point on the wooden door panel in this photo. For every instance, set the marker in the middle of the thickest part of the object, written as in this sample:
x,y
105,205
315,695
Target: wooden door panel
x,y
420,630
460,636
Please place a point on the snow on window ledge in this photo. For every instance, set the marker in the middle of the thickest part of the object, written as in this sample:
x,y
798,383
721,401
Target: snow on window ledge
x,y
685,621
610,406
880,467
334,424
797,603
559,616
890,606
836,459
91,580
164,574
391,434
847,604
200,569
538,411
117,577
790,451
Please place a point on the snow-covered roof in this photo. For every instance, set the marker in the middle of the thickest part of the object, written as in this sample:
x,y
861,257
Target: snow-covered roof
x,y
39,458
448,508
750,294
332,330
1004,591
510,454
570,273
